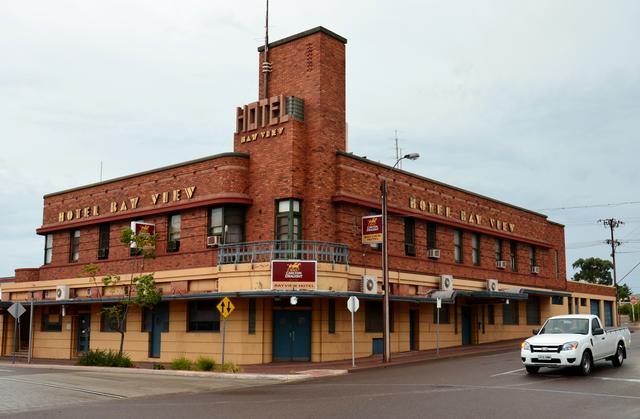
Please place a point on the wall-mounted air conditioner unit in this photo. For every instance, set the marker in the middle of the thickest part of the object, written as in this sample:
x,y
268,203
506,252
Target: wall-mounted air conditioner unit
x,y
446,283
535,270
62,292
433,253
213,241
369,284
492,285
501,264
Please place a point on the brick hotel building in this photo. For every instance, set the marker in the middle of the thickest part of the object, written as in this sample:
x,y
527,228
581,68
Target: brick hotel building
x,y
290,190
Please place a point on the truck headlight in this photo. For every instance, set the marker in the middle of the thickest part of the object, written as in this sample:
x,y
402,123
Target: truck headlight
x,y
525,346
569,346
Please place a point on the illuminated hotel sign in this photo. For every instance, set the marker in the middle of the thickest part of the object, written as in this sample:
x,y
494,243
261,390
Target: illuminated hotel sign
x,y
464,216
293,274
174,195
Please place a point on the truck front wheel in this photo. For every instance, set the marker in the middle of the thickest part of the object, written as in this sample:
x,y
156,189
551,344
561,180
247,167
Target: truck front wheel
x,y
531,369
586,363
618,358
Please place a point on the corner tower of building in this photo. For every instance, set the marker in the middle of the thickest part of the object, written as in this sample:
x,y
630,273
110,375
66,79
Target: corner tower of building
x,y
293,131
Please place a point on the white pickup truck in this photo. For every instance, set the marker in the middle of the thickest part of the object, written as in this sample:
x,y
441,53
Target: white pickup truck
x,y
574,340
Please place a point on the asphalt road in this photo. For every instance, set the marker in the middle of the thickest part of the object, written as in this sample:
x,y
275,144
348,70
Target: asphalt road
x,y
491,386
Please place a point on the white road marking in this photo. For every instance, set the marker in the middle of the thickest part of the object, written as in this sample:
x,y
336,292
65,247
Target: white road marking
x,y
628,380
508,372
6,370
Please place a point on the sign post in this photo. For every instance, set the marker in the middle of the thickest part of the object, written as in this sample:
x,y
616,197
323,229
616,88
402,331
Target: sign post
x,y
16,310
438,307
225,307
30,333
353,304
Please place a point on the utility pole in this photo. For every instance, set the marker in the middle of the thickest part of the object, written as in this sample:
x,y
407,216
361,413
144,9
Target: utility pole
x,y
612,223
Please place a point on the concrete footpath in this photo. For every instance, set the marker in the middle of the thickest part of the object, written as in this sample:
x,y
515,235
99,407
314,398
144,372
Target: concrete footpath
x,y
290,371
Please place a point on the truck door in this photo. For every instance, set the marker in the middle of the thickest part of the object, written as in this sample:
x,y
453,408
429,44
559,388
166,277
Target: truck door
x,y
599,341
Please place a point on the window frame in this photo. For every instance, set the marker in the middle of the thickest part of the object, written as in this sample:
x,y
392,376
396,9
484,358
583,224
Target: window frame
x,y
475,249
211,308
293,217
104,239
74,245
409,236
223,234
513,309
513,255
48,249
46,325
172,233
432,235
373,315
499,249
458,248
532,256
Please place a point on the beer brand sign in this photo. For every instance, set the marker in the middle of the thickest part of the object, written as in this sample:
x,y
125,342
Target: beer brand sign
x,y
372,229
293,274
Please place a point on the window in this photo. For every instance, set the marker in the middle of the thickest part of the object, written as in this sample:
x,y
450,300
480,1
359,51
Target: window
x,y
570,305
457,245
444,314
532,256
173,233
514,256
491,314
499,249
373,317
203,316
409,237
583,302
48,248
431,236
288,220
510,313
74,249
51,319
252,316
557,300
557,264
595,324
533,310
227,223
104,232
110,324
331,318
475,249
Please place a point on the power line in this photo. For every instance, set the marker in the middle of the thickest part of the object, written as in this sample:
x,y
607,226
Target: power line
x,y
614,204
627,274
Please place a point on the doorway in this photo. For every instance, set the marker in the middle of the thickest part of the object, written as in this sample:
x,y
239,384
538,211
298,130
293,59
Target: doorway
x,y
466,325
414,330
156,321
23,336
291,335
83,333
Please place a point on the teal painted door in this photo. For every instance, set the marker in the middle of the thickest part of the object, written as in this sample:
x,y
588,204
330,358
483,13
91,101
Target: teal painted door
x,y
156,321
84,329
466,325
291,335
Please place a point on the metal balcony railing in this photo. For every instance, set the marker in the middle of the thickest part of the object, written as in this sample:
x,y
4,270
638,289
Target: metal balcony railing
x,y
266,251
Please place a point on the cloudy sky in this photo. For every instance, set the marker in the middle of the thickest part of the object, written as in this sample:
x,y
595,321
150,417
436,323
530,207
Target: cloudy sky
x,y
536,103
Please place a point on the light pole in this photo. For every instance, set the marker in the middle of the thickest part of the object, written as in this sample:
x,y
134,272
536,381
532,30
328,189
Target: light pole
x,y
386,333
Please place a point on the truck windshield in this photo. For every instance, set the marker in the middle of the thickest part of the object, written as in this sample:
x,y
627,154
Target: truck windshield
x,y
572,326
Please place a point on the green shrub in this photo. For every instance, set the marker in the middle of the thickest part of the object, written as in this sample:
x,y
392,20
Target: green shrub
x,y
105,358
157,366
181,363
228,367
205,363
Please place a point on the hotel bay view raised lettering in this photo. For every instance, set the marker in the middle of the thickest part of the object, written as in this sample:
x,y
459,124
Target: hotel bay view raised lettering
x,y
127,204
462,215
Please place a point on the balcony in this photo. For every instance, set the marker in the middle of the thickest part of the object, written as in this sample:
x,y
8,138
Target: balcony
x,y
266,251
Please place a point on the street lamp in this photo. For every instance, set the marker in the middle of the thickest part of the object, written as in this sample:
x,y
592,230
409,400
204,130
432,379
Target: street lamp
x,y
386,333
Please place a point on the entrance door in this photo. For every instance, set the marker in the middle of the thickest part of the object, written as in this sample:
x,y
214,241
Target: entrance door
x,y
466,325
83,334
291,335
414,331
23,336
156,321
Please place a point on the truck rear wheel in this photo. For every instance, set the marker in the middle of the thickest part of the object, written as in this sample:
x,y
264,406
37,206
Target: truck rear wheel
x,y
618,358
532,369
586,363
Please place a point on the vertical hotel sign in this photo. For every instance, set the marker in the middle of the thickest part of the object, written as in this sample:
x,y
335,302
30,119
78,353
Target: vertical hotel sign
x,y
372,229
293,274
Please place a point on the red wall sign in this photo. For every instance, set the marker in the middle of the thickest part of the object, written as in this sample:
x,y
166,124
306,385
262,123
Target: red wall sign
x,y
372,229
293,274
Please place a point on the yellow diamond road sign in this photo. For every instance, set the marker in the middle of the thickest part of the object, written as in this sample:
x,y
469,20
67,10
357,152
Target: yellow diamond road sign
x,y
225,307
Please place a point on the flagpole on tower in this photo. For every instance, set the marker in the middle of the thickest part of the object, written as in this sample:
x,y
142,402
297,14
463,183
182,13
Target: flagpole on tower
x,y
266,65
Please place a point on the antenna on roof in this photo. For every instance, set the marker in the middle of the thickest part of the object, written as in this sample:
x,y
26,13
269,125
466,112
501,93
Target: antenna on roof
x,y
266,65
100,170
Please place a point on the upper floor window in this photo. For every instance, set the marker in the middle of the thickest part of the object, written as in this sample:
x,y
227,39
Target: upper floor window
x,y
48,249
475,249
173,233
457,245
431,236
288,220
499,249
557,257
74,248
409,237
514,256
227,223
104,232
532,256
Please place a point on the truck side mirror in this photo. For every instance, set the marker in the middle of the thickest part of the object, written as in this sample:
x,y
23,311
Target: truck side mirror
x,y
536,331
598,331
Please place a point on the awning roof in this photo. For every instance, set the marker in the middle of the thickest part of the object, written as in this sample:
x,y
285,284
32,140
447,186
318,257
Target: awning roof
x,y
551,293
